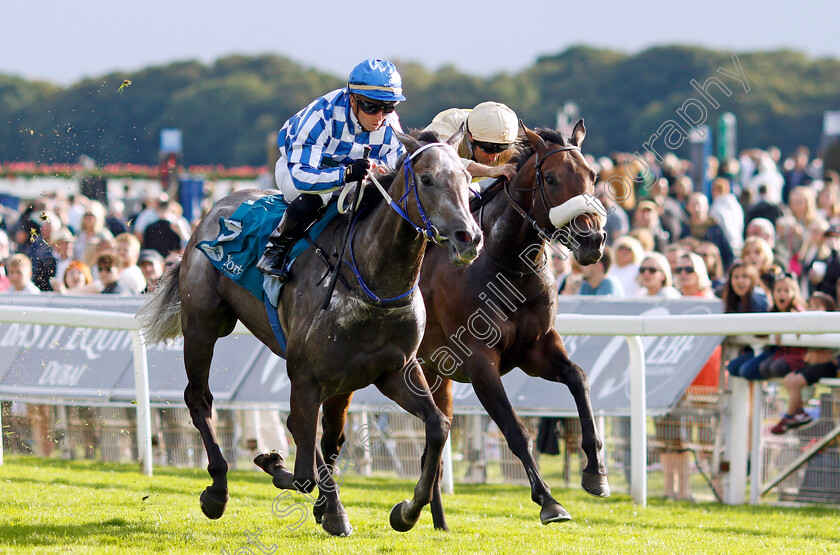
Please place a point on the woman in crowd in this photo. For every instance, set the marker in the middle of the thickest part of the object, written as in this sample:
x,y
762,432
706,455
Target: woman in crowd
x,y
828,203
692,277
625,267
803,207
813,248
654,279
714,264
76,277
758,254
693,281
92,227
743,292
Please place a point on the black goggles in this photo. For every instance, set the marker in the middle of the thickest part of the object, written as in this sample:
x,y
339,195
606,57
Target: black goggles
x,y
371,107
491,148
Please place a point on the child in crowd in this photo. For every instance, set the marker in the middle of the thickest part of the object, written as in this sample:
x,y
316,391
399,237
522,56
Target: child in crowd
x,y
786,298
819,363
19,271
76,277
774,362
758,253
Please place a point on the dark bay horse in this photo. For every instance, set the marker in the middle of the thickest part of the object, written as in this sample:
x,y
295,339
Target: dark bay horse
x,y
498,314
357,342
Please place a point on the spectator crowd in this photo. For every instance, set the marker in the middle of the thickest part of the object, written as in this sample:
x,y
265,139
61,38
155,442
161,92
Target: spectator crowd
x,y
765,238
74,245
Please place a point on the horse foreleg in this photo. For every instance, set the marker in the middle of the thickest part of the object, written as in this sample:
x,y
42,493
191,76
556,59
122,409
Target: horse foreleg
x,y
198,351
333,418
409,390
334,516
550,362
488,387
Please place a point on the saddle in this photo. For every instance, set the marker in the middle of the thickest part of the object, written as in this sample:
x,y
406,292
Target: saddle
x,y
242,238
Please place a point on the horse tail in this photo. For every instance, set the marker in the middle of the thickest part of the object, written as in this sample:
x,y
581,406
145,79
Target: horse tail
x,y
160,316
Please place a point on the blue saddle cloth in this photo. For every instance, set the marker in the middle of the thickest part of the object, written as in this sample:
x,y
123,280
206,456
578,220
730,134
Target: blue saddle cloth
x,y
241,242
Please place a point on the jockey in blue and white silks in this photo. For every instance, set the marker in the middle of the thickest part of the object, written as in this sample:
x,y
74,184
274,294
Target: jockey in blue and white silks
x,y
322,149
320,140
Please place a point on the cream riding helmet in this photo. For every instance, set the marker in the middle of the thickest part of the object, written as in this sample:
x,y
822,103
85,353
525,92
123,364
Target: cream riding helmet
x,y
493,122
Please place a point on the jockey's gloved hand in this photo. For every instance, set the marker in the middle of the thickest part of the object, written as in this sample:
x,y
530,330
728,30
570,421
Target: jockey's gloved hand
x,y
357,170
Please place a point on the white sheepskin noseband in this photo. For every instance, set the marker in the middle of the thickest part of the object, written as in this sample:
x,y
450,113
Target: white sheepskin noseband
x,y
561,215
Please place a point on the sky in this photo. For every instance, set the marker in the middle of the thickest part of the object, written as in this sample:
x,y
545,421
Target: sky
x,y
62,42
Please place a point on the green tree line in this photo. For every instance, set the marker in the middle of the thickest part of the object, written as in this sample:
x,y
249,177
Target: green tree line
x,y
227,110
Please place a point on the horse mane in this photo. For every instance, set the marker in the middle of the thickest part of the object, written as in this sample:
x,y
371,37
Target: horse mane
x,y
372,198
524,150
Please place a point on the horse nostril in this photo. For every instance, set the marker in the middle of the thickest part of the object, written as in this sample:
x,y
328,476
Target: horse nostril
x,y
463,236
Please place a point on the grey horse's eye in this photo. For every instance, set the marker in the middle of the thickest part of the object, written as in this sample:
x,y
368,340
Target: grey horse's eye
x,y
425,179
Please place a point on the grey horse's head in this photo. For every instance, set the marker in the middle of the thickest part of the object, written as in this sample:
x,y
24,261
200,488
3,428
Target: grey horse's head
x,y
443,189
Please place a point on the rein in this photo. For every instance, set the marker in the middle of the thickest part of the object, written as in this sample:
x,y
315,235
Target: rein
x,y
428,231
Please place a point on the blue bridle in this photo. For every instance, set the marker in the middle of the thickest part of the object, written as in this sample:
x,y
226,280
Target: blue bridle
x,y
429,231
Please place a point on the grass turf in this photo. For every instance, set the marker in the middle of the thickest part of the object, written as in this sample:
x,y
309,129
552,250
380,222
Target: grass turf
x,y
52,506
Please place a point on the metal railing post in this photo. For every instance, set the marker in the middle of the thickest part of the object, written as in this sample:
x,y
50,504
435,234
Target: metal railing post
x,y
737,448
1,432
756,452
141,388
638,421
448,480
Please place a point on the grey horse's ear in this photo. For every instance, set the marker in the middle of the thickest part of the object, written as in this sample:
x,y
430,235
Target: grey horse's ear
x,y
535,140
457,137
409,142
579,133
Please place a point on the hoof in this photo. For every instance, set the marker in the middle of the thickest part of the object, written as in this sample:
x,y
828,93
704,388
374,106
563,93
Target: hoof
x,y
399,523
211,505
272,464
554,512
337,525
269,462
595,484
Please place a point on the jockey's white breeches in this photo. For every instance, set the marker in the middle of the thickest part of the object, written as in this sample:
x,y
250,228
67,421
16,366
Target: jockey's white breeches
x,y
283,177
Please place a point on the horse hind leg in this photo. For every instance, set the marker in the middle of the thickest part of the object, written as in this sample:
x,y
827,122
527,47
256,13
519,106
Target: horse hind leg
x,y
198,353
443,400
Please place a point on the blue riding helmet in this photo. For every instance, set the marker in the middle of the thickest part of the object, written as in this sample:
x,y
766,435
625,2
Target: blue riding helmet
x,y
376,79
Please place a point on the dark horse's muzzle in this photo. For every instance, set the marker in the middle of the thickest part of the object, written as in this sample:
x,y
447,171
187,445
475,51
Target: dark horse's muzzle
x,y
586,239
580,222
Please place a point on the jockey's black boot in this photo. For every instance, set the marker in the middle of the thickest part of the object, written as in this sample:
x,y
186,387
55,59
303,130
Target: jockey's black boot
x,y
297,218
279,243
